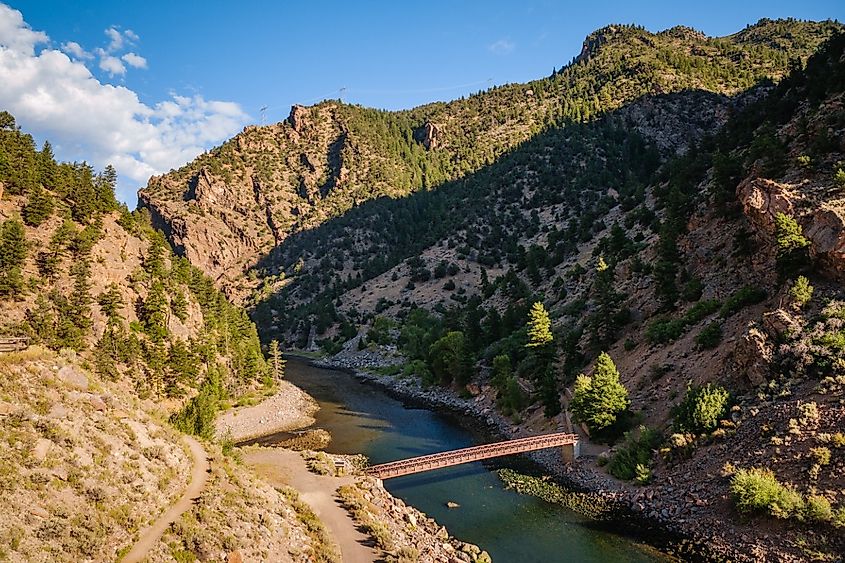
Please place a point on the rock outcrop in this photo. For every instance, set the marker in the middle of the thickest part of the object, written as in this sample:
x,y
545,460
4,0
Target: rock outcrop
x,y
823,222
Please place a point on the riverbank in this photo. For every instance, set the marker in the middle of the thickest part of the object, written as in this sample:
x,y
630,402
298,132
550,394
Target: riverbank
x,y
412,535
653,513
288,409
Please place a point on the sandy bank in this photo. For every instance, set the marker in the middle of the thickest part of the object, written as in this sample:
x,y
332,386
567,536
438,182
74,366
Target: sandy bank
x,y
289,409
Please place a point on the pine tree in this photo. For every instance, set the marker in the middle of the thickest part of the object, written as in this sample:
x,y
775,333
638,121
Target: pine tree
x,y
539,326
277,362
49,260
83,196
104,186
13,250
80,297
179,305
541,358
792,246
38,208
111,304
603,323
154,259
598,400
154,312
47,168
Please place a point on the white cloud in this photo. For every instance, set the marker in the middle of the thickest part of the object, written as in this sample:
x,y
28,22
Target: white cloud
x,y
112,65
115,39
131,36
75,50
134,60
56,97
502,47
16,34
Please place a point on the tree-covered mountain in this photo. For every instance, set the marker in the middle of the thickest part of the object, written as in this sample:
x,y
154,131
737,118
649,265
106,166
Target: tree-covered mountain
x,y
233,205
82,272
668,206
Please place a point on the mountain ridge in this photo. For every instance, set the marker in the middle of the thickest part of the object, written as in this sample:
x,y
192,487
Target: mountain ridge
x,y
330,157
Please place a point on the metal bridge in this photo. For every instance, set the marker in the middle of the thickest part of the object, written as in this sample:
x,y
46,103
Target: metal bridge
x,y
475,453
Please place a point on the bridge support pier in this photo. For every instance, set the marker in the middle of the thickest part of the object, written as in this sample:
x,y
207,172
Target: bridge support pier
x,y
570,452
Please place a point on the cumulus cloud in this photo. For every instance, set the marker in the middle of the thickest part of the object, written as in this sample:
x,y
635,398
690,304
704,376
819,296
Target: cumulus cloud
x,y
134,60
111,64
75,50
115,40
58,98
502,47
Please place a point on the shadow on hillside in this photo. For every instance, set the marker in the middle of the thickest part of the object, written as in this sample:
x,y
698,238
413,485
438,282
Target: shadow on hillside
x,y
574,165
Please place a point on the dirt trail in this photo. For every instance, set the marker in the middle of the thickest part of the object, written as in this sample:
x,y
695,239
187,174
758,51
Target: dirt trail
x,y
284,467
150,536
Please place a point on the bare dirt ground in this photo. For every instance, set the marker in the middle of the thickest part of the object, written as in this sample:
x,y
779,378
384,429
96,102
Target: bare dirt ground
x,y
284,467
149,537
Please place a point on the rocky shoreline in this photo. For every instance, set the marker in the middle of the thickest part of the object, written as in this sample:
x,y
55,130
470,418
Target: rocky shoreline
x,y
646,513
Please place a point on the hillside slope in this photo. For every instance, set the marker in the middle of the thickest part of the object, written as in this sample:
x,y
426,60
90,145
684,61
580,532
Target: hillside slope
x,y
233,205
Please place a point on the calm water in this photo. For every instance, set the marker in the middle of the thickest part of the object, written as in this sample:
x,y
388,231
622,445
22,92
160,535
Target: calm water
x,y
513,528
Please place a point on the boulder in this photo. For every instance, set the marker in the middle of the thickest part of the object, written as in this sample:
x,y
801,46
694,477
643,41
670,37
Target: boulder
x,y
73,377
41,449
762,200
826,231
779,323
753,355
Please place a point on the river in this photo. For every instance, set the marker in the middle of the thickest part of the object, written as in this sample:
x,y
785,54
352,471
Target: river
x,y
513,528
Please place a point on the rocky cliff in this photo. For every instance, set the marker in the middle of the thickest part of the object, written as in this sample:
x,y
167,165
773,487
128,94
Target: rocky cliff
x,y
231,206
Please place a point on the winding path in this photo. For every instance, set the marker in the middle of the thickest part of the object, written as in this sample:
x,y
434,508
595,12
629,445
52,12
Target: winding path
x,y
277,467
150,536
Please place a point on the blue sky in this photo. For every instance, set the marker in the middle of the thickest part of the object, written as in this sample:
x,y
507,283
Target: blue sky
x,y
245,55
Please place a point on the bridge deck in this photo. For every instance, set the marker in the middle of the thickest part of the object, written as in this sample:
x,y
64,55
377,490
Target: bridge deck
x,y
467,455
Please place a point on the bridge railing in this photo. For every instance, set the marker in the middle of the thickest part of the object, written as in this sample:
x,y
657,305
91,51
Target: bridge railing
x,y
474,453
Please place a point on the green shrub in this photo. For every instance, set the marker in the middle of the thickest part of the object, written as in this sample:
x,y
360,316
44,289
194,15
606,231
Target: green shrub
x,y
710,335
633,458
758,490
661,331
818,508
702,408
701,310
839,178
801,291
748,295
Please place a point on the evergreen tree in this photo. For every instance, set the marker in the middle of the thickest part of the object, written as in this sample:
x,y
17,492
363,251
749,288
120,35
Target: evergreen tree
x,y
111,304
179,304
597,401
801,291
153,313
83,197
539,326
277,362
449,359
605,320
154,259
104,186
38,208
47,168
13,250
80,297
50,259
792,246
42,321
541,357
